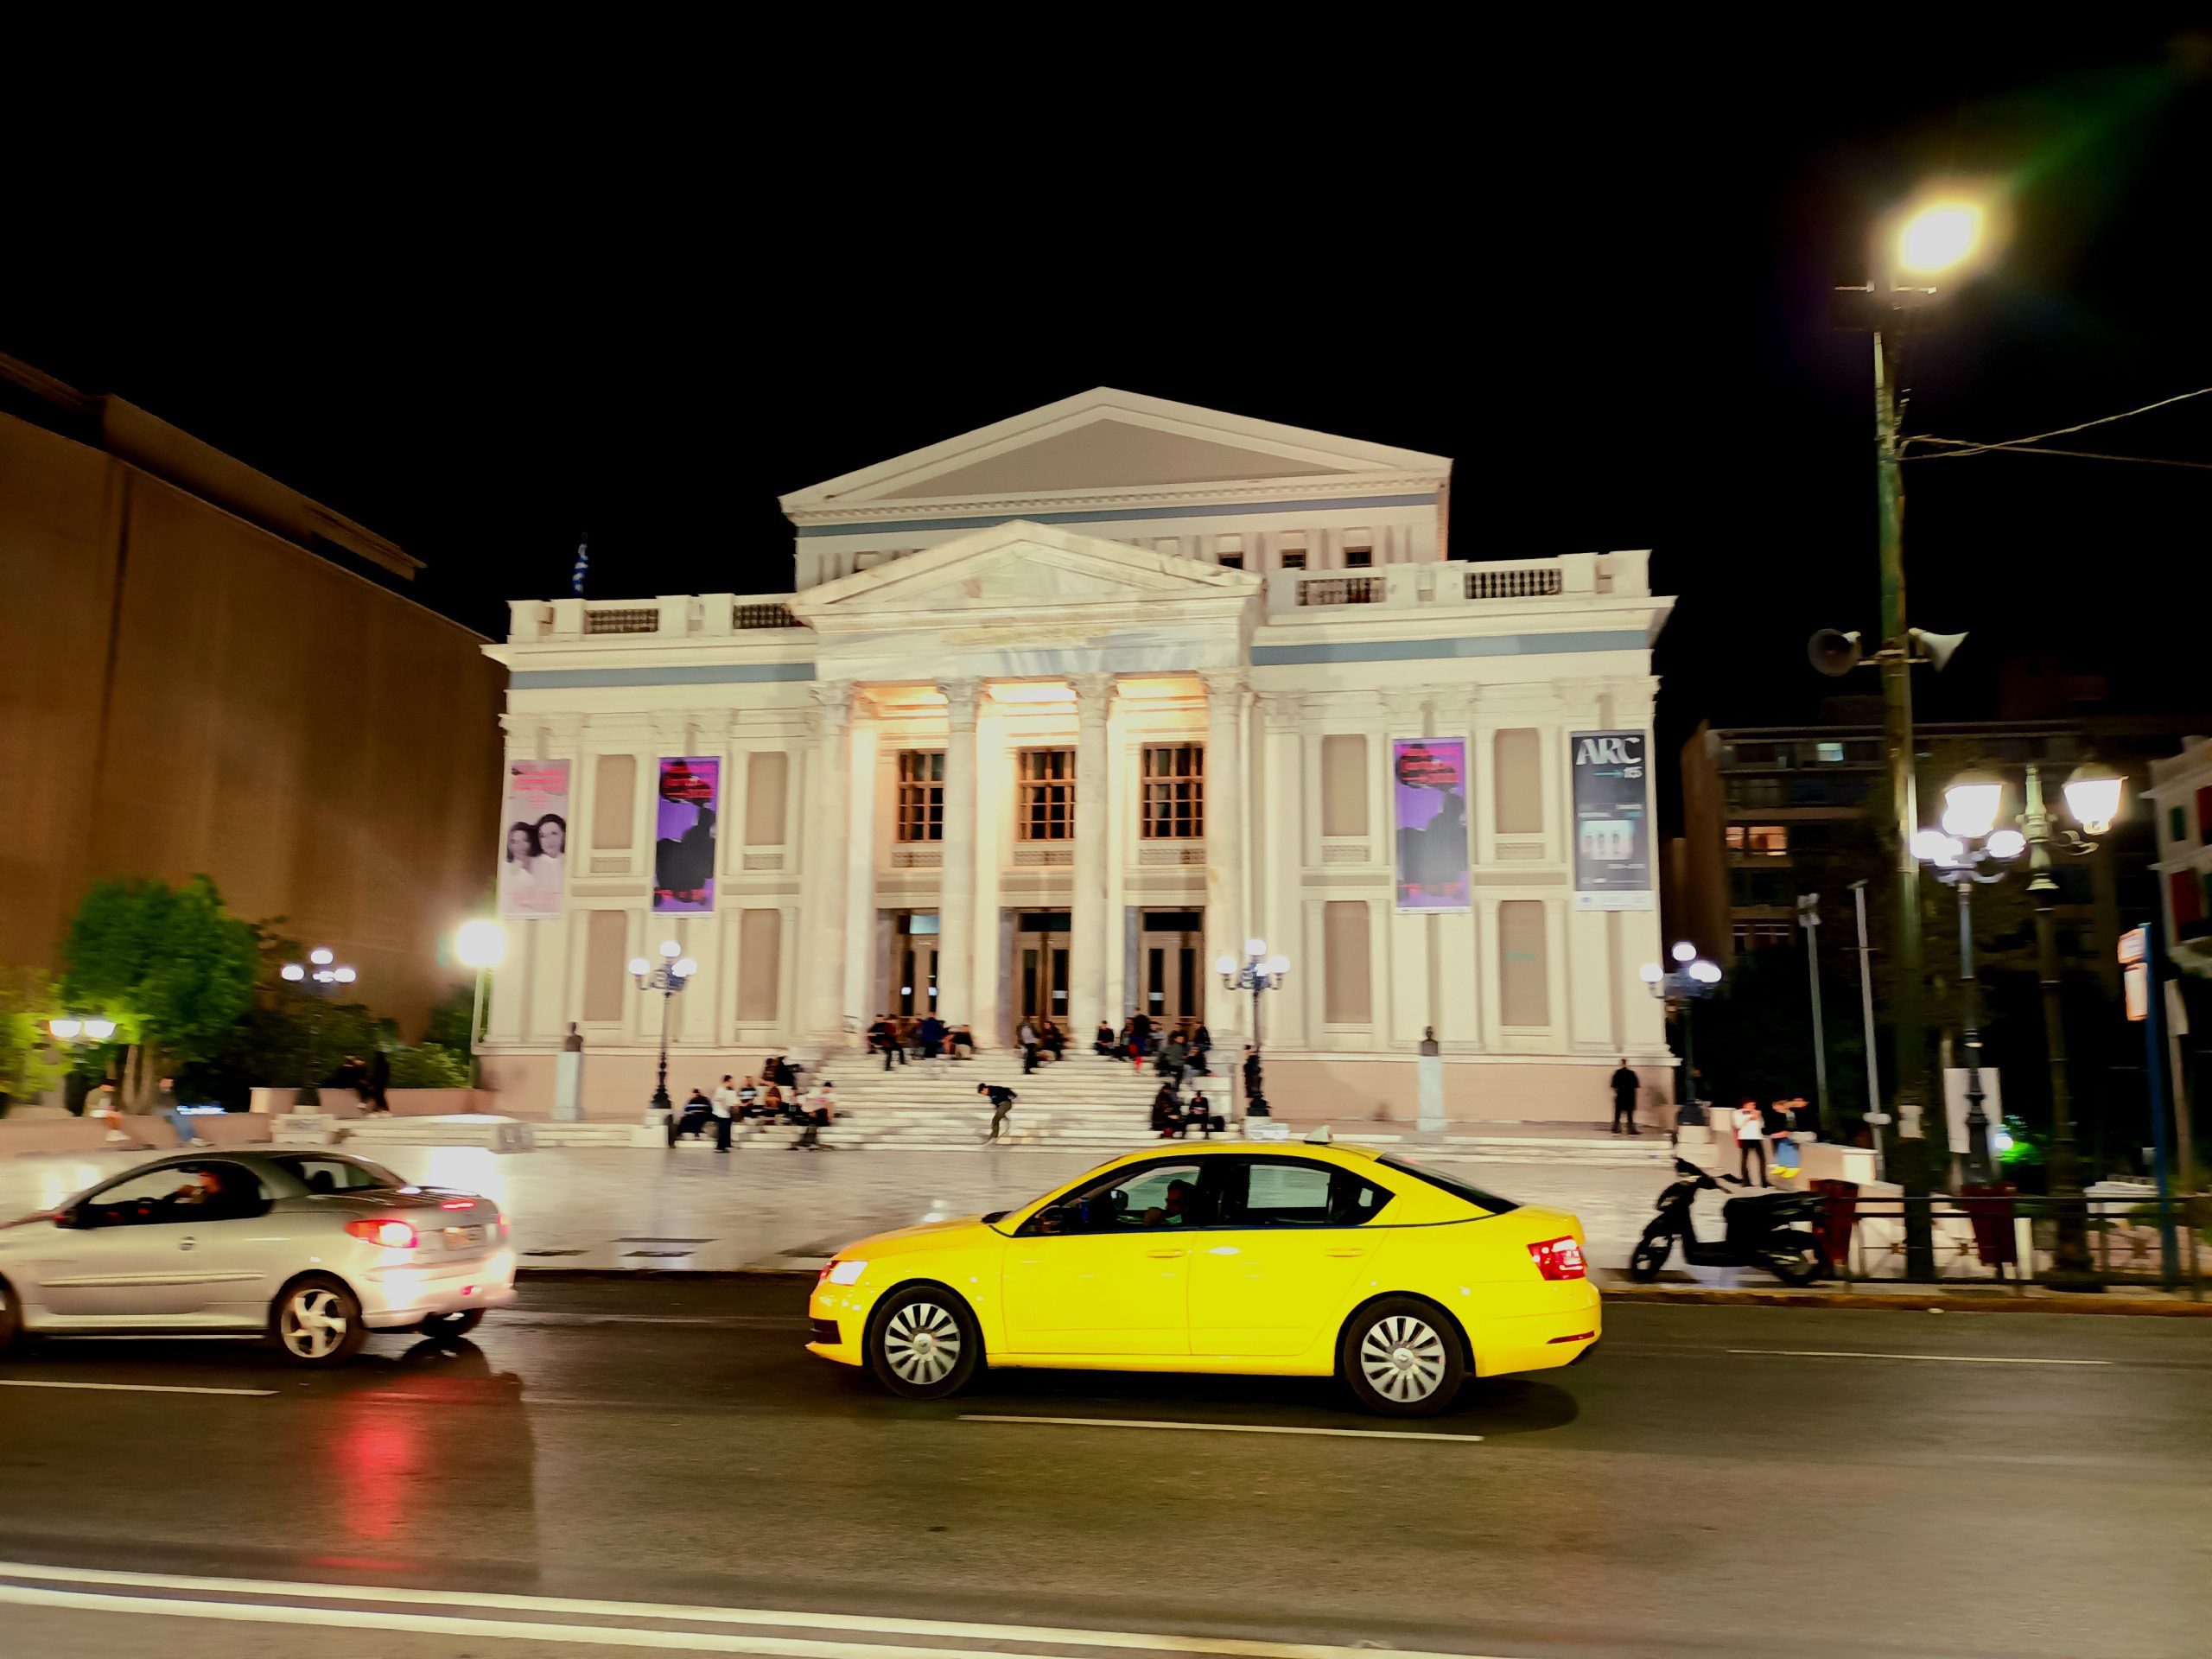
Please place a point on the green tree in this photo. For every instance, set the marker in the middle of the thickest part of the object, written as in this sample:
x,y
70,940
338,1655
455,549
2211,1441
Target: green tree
x,y
450,1016
170,966
27,1000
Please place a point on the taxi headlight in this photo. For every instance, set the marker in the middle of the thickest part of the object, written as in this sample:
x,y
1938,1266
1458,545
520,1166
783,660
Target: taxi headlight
x,y
846,1273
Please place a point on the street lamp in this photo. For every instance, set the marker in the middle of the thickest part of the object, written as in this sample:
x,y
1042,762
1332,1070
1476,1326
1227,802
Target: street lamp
x,y
1258,972
2092,794
319,976
669,978
1970,809
482,945
1693,977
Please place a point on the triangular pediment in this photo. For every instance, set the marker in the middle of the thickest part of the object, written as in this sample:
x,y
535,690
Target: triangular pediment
x,y
1018,570
1109,442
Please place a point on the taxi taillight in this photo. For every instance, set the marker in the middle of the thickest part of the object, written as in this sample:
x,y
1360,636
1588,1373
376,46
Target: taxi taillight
x,y
1560,1258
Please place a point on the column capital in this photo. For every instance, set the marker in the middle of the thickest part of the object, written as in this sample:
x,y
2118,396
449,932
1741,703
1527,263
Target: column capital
x,y
1094,696
1404,705
1283,711
672,731
833,706
1224,682
961,698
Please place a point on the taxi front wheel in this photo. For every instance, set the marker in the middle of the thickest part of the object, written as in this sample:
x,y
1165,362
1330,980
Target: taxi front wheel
x,y
1400,1358
923,1343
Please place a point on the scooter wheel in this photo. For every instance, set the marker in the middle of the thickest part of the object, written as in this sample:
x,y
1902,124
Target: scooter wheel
x,y
1804,1269
1649,1257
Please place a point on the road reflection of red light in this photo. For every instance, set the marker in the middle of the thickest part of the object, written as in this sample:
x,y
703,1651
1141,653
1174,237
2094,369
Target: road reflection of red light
x,y
377,1459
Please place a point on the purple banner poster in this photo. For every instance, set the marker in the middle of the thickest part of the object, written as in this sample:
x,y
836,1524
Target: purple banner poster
x,y
1428,799
534,840
685,816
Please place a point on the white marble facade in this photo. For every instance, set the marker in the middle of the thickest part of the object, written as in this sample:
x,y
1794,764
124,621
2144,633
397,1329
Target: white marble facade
x,y
1110,576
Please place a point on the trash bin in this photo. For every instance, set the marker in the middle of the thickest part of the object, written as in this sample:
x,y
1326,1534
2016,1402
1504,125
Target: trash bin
x,y
1839,1216
1991,1213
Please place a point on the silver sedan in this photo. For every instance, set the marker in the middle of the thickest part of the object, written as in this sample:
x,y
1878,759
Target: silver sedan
x,y
314,1249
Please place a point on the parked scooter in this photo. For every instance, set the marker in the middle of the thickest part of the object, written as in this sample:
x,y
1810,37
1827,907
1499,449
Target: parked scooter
x,y
1777,1231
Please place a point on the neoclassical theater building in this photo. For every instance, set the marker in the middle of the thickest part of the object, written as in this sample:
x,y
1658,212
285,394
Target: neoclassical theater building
x,y
1063,710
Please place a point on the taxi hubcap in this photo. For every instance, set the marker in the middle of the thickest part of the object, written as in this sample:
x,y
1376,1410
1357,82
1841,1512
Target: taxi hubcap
x,y
1402,1358
922,1343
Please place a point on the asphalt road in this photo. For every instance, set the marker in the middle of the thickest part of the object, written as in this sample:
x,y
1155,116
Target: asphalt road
x,y
657,1464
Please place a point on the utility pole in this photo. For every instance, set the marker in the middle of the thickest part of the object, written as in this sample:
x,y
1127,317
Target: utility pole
x,y
1896,659
1809,917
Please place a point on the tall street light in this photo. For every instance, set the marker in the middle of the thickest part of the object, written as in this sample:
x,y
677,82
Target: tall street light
x,y
320,976
669,979
1954,855
1258,972
482,945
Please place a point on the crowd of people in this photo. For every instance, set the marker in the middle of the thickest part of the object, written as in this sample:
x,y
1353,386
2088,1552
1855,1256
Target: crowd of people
x,y
779,1099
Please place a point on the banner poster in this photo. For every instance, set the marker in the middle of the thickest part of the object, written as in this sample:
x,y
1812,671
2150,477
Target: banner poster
x,y
1612,822
1428,797
534,840
683,835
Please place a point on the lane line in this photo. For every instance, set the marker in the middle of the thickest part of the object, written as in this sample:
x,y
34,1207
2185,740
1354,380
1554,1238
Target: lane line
x,y
1949,1359
1218,1428
855,1624
125,1388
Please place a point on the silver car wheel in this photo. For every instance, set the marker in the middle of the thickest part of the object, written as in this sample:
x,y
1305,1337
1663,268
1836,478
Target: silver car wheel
x,y
314,1322
922,1343
1402,1358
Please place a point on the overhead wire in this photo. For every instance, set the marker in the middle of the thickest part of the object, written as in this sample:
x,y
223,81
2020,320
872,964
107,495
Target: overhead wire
x,y
1956,448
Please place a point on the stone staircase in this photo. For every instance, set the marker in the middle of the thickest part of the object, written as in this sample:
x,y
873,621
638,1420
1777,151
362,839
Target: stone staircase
x,y
1081,1103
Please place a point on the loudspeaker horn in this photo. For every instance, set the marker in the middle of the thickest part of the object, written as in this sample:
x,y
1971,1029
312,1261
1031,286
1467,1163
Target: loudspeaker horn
x,y
1936,648
1834,652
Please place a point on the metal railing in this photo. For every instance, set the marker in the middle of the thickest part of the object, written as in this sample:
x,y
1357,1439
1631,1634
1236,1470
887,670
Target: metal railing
x,y
2015,1238
622,619
744,616
1342,590
1487,582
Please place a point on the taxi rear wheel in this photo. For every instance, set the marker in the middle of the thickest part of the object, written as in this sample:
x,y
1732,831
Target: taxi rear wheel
x,y
1401,1357
923,1343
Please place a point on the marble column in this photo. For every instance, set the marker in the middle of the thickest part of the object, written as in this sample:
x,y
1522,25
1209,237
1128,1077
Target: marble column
x,y
1227,923
1281,841
955,957
827,855
1092,932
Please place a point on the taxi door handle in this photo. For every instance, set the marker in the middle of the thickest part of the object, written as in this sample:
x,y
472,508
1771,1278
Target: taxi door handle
x,y
1348,1251
1165,1254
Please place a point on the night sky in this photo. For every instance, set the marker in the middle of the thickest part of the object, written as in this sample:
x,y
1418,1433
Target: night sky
x,y
1595,271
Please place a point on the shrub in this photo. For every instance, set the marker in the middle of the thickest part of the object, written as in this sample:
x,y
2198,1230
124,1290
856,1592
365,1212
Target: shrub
x,y
429,1066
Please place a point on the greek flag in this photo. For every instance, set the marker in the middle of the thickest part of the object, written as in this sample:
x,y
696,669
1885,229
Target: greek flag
x,y
583,563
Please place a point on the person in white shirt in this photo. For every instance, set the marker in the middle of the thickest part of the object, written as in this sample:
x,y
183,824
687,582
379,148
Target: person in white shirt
x,y
725,1102
1750,1140
821,1109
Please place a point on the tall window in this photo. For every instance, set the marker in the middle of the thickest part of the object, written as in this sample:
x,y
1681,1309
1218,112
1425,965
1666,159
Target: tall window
x,y
1045,810
921,795
1174,792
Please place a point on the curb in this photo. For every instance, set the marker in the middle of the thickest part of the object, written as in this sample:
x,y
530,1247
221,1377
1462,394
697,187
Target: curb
x,y
1909,1301
586,1275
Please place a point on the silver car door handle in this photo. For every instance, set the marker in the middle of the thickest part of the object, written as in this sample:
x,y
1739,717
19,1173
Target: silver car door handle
x,y
186,1241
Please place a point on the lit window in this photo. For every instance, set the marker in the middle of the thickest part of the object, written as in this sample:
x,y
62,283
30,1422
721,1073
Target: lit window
x,y
921,795
1735,837
1174,792
1045,808
1831,754
1772,839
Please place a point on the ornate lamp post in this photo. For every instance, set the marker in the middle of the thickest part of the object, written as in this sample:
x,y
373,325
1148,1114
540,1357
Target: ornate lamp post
x,y
669,979
2092,791
319,976
1954,855
1258,972
1693,977
481,945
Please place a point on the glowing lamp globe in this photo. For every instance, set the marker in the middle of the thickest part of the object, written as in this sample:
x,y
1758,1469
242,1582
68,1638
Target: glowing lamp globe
x,y
1684,950
685,967
480,944
1971,804
65,1029
1939,238
292,971
99,1030
1224,963
1652,973
2093,797
640,967
2008,843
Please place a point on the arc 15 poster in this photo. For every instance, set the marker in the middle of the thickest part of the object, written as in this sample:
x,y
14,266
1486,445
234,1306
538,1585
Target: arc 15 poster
x,y
1612,821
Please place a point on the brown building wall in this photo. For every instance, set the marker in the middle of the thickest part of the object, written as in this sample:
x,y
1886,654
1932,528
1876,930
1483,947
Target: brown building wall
x,y
181,691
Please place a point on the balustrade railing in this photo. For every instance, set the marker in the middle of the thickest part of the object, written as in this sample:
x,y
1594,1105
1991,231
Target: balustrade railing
x,y
1513,582
621,619
1342,590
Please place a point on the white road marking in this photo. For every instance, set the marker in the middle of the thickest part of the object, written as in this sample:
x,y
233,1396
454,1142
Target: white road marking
x,y
1949,1359
124,1387
613,1634
1217,1429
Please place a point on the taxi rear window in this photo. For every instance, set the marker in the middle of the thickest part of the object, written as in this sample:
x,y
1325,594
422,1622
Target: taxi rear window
x,y
1456,1187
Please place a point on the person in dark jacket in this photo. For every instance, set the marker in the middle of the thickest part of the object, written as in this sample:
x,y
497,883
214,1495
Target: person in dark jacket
x,y
379,1080
1001,1099
1625,1084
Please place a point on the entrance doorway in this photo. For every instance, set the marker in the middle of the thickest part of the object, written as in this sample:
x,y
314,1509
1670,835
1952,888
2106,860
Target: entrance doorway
x,y
1040,965
1171,944
914,962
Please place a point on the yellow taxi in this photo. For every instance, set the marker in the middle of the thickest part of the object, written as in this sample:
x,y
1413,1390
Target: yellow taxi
x,y
1303,1259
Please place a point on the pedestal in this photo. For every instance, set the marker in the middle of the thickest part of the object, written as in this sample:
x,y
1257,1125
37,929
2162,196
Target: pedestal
x,y
568,1086
1432,1093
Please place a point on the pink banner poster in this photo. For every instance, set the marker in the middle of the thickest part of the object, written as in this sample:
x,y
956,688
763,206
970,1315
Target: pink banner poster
x,y
1428,798
534,840
683,835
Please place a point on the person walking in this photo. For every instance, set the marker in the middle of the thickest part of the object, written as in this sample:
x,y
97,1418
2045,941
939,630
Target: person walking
x,y
1001,1099
1750,1140
1030,1039
884,1034
379,1080
1625,1084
